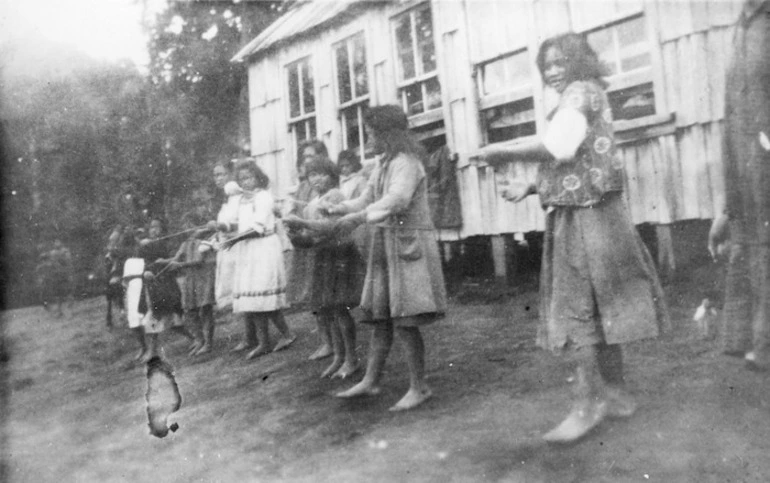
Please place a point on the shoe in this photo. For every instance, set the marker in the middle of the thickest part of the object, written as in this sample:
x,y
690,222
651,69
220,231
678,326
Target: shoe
x,y
583,418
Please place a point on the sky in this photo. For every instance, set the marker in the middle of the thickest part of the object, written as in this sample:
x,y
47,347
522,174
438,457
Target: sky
x,y
104,29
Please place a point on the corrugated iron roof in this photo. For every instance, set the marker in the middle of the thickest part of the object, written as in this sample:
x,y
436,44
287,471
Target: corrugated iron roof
x,y
302,17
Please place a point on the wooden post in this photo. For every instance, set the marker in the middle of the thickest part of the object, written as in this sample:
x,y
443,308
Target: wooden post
x,y
666,259
498,257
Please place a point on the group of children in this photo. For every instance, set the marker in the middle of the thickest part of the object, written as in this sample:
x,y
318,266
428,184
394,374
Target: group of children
x,y
241,261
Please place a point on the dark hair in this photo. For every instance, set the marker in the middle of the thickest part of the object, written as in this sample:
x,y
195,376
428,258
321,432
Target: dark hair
x,y
391,127
317,144
350,157
324,166
261,178
193,219
582,62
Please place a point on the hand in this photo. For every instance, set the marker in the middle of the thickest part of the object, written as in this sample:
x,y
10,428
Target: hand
x,y
717,235
149,276
293,221
516,191
174,265
347,223
212,225
333,209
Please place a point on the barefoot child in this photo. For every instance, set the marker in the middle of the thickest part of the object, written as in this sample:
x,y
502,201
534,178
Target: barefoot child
x,y
161,301
259,283
196,263
337,271
404,286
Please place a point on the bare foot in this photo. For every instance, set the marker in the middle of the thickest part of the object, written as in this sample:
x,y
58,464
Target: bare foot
x,y
346,370
284,342
411,399
363,388
243,345
578,423
323,351
336,364
259,351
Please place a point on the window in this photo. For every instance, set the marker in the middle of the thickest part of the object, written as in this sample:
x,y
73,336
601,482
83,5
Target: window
x,y
505,97
352,89
418,83
302,124
625,49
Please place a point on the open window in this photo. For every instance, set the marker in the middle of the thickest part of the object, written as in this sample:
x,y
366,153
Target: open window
x,y
352,78
417,74
505,97
301,88
625,48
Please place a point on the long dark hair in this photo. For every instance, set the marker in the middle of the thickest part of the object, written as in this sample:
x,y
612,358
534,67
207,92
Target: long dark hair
x,y
391,127
582,61
324,166
261,178
316,144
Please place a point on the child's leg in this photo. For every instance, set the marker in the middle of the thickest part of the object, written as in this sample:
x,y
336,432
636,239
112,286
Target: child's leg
x,y
139,335
609,357
379,347
152,347
323,321
177,326
337,345
419,391
347,327
589,407
287,337
250,334
207,318
260,321
192,320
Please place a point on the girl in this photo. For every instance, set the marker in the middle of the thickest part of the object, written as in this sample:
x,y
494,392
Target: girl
x,y
404,285
337,272
161,301
196,262
302,263
259,283
599,288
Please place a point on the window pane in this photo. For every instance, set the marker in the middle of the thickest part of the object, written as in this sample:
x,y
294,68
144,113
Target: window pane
x,y
432,94
294,110
510,121
493,74
413,96
352,126
404,46
634,102
601,41
427,50
308,95
311,129
519,70
635,62
343,72
359,66
632,32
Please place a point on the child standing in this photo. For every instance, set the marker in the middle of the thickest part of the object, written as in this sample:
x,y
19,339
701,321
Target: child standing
x,y
196,262
338,269
161,301
259,282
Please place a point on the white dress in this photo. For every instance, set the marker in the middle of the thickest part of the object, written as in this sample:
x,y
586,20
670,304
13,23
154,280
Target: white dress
x,y
226,261
259,284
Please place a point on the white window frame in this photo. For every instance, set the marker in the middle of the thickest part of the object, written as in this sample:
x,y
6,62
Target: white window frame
x,y
357,102
504,97
305,119
421,78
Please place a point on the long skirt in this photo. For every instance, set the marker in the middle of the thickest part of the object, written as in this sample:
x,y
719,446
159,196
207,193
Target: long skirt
x,y
338,276
259,284
598,281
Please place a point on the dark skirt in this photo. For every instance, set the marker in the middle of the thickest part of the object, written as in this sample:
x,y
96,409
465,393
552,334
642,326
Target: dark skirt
x,y
598,282
338,276
164,295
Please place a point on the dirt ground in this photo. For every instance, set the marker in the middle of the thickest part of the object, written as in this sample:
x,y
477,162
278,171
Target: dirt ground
x,y
75,408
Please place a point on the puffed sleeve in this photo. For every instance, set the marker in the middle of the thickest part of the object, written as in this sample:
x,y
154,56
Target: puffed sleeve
x,y
406,173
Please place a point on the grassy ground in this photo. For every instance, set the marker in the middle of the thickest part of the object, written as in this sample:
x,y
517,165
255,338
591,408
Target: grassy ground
x,y
75,406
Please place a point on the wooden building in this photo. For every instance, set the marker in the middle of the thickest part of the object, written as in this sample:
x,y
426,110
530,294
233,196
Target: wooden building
x,y
464,71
